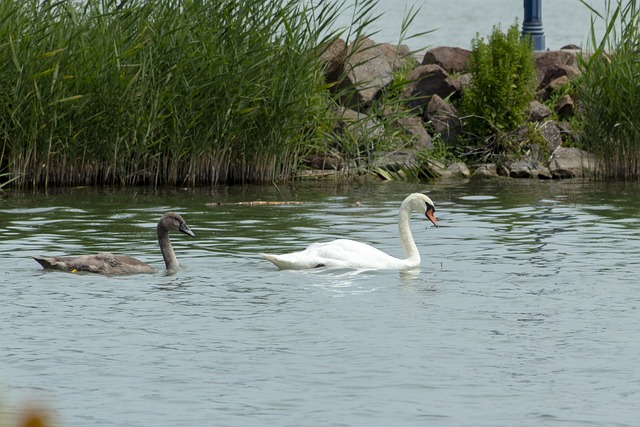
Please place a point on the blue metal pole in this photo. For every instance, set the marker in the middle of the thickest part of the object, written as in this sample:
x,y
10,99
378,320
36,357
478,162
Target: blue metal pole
x,y
532,23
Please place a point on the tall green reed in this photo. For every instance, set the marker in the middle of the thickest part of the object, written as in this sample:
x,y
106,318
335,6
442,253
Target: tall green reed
x,y
164,92
608,90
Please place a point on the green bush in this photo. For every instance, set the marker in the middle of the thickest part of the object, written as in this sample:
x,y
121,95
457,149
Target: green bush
x,y
608,91
503,83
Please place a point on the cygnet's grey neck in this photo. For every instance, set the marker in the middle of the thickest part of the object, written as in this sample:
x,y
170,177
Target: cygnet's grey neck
x,y
169,256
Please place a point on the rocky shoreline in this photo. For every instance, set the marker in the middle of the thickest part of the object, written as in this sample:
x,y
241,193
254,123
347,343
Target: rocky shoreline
x,y
437,78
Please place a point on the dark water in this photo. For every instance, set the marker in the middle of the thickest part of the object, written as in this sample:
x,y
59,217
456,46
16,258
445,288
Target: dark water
x,y
525,311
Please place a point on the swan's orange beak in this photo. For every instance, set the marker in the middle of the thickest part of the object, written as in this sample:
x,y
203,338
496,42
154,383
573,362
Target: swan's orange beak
x,y
432,218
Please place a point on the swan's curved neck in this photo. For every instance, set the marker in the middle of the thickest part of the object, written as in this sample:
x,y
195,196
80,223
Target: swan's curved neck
x,y
409,247
169,256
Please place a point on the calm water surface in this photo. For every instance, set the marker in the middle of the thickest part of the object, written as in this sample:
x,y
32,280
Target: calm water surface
x,y
456,22
525,311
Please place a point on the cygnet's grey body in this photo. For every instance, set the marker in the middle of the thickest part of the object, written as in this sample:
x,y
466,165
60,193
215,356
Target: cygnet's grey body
x,y
118,265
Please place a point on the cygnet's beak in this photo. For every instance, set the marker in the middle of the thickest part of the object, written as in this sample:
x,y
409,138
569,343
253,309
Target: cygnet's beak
x,y
184,228
430,215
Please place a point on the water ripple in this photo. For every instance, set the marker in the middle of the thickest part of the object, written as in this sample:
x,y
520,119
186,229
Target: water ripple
x,y
523,312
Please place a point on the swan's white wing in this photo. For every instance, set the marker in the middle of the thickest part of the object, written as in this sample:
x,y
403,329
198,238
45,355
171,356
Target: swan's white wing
x,y
302,260
350,253
340,253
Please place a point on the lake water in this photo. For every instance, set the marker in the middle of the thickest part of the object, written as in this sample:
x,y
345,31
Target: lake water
x,y
456,22
525,312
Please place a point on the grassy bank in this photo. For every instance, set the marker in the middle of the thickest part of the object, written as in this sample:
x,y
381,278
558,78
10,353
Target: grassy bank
x,y
164,92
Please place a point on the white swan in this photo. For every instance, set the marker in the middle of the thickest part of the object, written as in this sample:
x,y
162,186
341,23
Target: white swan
x,y
343,253
117,265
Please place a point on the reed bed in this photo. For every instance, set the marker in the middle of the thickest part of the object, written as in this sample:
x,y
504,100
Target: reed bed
x,y
608,91
169,92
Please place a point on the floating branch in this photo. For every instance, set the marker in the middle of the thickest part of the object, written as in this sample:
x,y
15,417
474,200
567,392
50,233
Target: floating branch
x,y
255,203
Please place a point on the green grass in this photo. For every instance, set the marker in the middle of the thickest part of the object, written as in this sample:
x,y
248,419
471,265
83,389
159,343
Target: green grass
x,y
608,91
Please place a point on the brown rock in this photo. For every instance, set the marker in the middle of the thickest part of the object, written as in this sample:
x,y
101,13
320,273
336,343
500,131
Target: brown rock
x,y
458,170
555,85
488,170
452,59
565,107
552,65
438,107
538,111
520,169
460,82
332,57
365,70
543,172
426,81
551,135
566,132
414,127
571,163
444,118
550,58
398,57
556,72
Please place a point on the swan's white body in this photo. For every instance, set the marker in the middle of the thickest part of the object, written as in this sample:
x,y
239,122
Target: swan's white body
x,y
344,253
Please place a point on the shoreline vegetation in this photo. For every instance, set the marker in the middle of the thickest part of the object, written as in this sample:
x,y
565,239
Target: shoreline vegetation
x,y
163,93
195,92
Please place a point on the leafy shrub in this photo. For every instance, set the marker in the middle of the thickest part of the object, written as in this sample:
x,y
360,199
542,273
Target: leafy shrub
x,y
503,83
